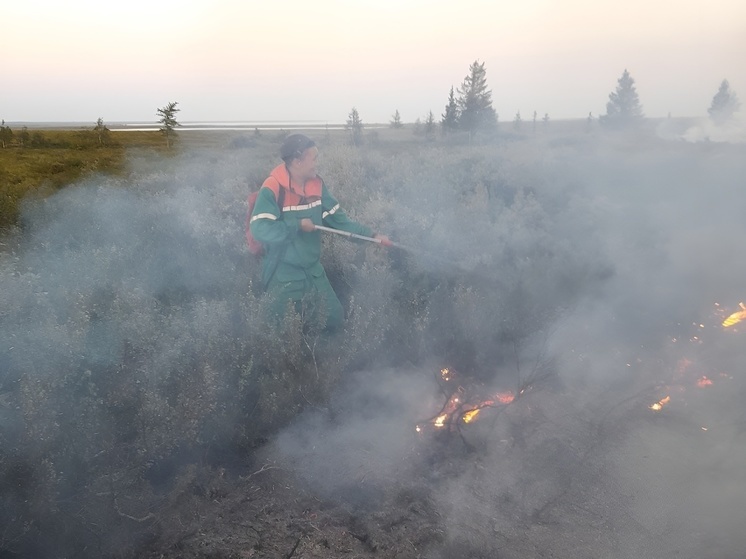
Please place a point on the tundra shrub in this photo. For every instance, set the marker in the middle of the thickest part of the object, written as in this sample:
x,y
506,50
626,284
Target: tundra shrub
x,y
134,318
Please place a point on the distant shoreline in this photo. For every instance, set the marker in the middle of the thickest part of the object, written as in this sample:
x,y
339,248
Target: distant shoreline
x,y
186,126
247,126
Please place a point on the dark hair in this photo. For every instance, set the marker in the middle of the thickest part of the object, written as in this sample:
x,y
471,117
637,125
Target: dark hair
x,y
294,146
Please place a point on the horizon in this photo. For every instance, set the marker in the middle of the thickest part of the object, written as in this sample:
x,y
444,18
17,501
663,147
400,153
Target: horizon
x,y
229,60
270,124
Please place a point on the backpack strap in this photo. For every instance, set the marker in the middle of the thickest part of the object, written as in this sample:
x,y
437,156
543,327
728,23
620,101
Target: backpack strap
x,y
281,199
279,191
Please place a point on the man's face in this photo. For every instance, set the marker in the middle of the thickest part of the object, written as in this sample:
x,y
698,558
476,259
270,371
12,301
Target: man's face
x,y
306,164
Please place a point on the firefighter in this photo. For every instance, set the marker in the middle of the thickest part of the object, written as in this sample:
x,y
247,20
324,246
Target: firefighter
x,y
291,202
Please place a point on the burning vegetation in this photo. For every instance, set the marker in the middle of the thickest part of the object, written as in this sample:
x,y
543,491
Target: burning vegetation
x,y
735,317
137,373
462,405
690,373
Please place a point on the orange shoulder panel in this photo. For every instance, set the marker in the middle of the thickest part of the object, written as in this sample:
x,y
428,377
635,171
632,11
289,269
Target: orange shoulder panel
x,y
272,183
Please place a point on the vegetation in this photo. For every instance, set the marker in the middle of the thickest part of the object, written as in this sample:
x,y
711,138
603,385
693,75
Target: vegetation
x,y
724,104
355,126
475,101
168,121
449,120
430,125
623,109
6,135
517,121
102,132
472,110
139,364
145,348
396,120
37,164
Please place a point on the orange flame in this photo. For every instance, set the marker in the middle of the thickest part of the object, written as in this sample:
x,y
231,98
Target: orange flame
x,y
470,415
658,406
736,317
440,421
467,412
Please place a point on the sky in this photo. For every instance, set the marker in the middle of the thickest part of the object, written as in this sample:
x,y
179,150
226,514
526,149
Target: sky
x,y
233,60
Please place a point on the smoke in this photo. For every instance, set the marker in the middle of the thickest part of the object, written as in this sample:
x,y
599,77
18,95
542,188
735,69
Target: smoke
x,y
704,130
582,269
365,443
124,327
628,244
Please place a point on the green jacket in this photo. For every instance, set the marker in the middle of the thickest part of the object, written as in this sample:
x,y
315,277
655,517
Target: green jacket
x,y
291,254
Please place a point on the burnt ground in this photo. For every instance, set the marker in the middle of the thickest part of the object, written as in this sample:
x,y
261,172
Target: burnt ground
x,y
569,469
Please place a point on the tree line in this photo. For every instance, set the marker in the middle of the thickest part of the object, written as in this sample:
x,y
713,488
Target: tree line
x,y
99,134
469,107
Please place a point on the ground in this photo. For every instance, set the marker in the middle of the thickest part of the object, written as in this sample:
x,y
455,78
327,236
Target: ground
x,y
566,470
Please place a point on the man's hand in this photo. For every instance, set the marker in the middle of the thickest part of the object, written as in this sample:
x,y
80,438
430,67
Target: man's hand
x,y
306,225
385,241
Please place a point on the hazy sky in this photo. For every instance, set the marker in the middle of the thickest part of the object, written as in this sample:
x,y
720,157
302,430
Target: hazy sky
x,y
229,60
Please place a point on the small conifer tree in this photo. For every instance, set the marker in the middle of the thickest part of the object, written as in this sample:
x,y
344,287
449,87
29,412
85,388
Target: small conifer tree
x,y
724,104
449,120
168,121
396,120
355,126
623,108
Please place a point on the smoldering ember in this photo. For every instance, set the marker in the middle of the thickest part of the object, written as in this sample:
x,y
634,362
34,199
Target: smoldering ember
x,y
551,364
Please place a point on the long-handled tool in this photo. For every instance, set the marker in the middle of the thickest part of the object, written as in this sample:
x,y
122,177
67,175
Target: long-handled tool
x,y
429,256
359,237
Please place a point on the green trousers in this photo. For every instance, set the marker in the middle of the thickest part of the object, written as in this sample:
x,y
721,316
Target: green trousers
x,y
312,296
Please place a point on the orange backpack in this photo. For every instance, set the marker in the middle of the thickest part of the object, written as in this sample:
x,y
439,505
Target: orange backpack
x,y
256,247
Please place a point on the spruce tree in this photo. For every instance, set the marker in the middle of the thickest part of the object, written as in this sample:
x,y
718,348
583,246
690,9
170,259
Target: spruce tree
x,y
355,126
396,120
623,108
430,125
475,101
168,121
101,131
449,122
724,104
517,121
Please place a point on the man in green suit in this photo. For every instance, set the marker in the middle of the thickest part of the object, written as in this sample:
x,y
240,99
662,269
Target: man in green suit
x,y
291,202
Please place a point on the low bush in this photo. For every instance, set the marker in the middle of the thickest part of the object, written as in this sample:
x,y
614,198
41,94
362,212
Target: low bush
x,y
137,351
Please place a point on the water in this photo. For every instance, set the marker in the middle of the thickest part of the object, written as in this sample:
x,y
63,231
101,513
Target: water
x,y
197,125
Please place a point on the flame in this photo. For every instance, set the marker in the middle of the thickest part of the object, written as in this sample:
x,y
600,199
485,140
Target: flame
x,y
471,414
440,421
465,410
658,406
704,381
462,404
736,317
